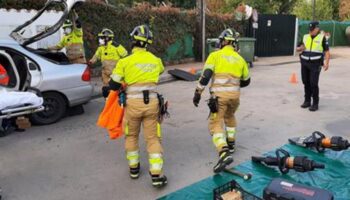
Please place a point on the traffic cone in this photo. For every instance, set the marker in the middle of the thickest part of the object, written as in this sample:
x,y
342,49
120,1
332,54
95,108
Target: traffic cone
x,y
293,78
193,71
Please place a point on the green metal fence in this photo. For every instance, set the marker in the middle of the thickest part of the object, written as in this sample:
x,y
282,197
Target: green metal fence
x,y
335,28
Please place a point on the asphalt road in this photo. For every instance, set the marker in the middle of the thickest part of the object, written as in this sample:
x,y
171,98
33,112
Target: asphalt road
x,y
74,159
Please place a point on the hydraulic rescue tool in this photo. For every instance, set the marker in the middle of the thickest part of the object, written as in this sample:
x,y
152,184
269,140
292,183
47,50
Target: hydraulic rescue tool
x,y
285,162
320,142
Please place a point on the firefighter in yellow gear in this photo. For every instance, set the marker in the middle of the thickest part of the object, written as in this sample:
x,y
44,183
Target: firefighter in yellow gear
x,y
140,71
72,41
109,53
228,72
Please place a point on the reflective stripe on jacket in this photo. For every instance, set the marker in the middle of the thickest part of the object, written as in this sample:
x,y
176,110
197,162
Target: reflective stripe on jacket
x,y
228,69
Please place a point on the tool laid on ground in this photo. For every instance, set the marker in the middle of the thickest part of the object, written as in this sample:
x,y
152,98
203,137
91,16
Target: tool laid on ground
x,y
320,142
285,162
238,173
280,189
183,75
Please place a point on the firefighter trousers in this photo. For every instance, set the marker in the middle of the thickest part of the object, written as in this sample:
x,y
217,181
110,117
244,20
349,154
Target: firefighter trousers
x,y
138,113
222,124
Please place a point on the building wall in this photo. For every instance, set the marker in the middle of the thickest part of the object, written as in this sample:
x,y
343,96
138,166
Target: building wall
x,y
10,19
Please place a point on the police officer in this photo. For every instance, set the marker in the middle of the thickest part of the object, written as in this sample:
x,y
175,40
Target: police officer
x,y
109,52
72,41
315,53
229,72
140,71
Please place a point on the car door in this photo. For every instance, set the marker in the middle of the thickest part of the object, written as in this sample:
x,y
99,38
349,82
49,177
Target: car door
x,y
36,75
7,62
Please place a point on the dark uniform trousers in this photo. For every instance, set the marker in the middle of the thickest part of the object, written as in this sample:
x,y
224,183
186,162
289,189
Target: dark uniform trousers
x,y
310,72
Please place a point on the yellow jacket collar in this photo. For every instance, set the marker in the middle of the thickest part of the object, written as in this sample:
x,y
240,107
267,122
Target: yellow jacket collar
x,y
228,47
138,49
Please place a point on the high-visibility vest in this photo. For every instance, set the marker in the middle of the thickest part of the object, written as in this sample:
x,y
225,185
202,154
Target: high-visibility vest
x,y
4,78
313,47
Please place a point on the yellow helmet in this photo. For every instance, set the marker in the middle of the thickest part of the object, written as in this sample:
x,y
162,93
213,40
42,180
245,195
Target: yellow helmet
x,y
106,33
228,34
67,23
142,33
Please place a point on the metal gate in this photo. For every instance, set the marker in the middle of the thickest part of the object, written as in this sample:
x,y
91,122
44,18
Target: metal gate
x,y
275,35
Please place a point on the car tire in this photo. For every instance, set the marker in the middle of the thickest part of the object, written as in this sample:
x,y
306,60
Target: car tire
x,y
55,109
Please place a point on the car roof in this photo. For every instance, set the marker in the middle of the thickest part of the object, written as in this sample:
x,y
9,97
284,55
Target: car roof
x,y
8,42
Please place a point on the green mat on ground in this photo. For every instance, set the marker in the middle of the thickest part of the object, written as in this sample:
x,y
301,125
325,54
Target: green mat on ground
x,y
335,177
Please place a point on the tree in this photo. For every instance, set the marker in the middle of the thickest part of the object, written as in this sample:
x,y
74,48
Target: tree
x,y
283,6
324,9
344,9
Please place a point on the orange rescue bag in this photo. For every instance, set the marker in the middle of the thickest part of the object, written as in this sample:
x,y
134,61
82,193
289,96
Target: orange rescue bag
x,y
111,117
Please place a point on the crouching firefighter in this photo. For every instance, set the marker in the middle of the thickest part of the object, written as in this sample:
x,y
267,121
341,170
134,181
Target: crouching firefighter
x,y
109,53
140,72
228,71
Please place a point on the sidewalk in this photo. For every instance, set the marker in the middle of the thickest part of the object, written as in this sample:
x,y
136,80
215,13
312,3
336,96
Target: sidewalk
x,y
336,52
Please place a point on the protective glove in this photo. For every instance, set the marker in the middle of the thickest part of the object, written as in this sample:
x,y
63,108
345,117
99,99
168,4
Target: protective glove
x,y
105,91
197,97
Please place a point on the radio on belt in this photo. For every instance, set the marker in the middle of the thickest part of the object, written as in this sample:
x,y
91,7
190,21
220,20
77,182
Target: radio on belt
x,y
280,189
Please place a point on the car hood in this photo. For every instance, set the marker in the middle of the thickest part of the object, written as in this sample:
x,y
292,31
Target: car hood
x,y
66,5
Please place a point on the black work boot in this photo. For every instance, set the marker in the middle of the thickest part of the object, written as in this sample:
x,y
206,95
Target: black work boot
x,y
135,172
313,108
159,181
306,104
231,146
224,160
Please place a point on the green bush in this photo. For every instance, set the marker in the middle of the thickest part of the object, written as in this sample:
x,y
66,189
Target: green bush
x,y
168,24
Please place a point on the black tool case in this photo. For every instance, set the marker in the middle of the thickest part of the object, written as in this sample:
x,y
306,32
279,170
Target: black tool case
x,y
280,189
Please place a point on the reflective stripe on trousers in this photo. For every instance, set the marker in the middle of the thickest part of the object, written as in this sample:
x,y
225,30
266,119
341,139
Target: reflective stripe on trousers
x,y
159,130
133,158
231,133
219,140
156,163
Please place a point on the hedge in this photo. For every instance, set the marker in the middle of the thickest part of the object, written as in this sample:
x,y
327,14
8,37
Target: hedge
x,y
169,24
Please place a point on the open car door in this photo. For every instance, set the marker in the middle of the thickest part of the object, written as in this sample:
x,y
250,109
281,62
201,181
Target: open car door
x,y
66,5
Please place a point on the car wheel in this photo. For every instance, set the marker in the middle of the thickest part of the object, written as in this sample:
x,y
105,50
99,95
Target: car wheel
x,y
55,109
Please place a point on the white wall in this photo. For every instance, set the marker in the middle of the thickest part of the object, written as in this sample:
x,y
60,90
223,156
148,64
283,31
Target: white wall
x,y
10,19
